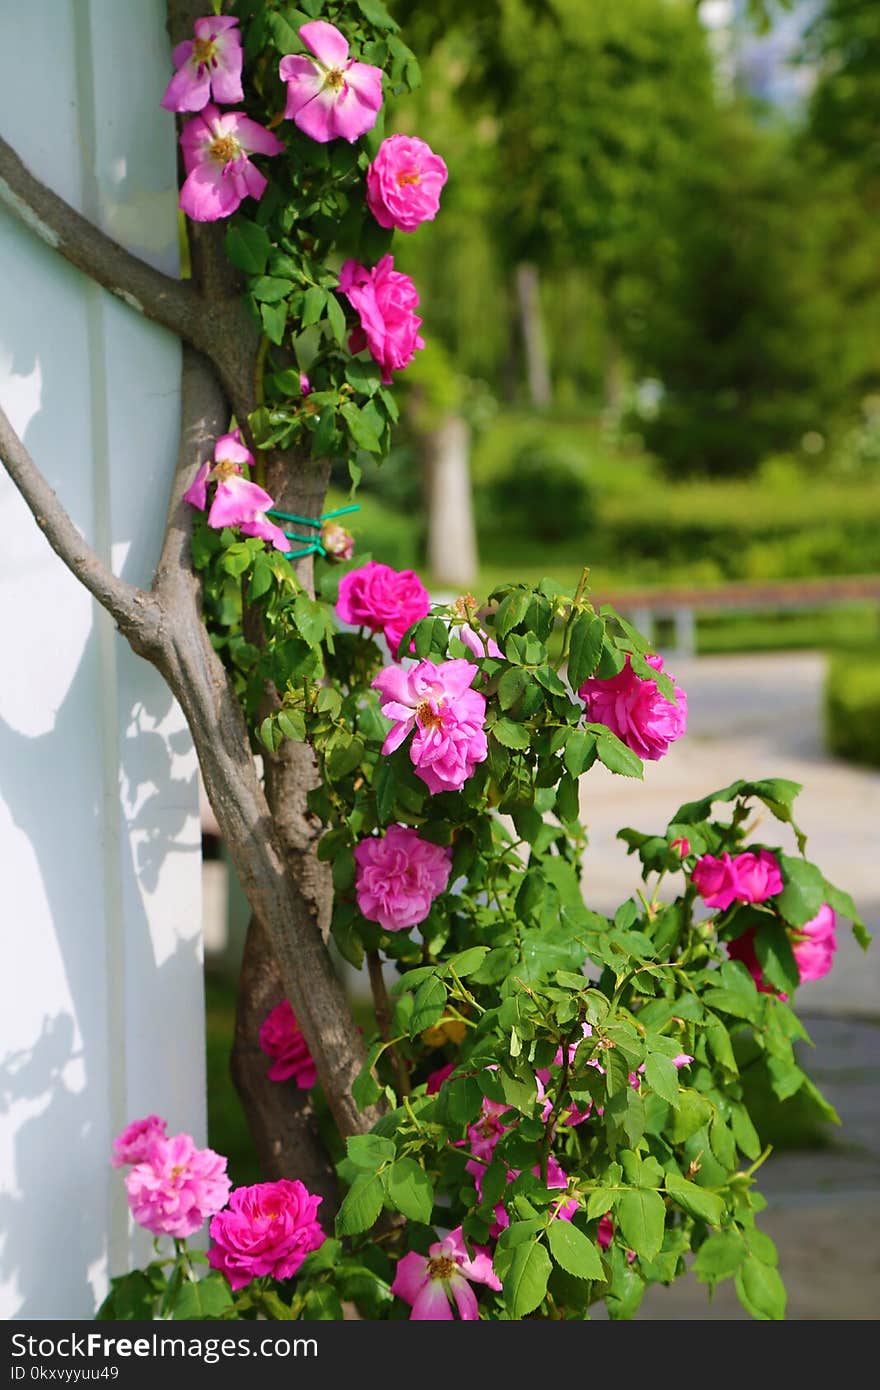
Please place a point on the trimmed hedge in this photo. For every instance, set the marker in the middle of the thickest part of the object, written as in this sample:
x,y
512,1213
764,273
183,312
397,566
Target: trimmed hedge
x,y
852,706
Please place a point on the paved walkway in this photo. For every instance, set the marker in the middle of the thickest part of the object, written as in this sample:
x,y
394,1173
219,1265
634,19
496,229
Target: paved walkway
x,y
760,716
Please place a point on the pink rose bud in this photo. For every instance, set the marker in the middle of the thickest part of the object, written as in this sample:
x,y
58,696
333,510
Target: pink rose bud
x,y
814,944
404,183
338,543
305,385
683,845
636,710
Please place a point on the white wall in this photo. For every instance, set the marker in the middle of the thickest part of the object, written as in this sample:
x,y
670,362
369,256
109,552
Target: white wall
x,y
101,1015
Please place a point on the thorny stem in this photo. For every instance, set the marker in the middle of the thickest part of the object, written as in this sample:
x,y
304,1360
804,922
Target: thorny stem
x,y
382,1010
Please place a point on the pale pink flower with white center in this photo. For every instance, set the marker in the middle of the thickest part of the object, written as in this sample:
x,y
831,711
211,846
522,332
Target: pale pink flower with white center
x,y
134,1143
398,876
330,95
432,1283
436,704
174,1190
216,147
266,530
208,65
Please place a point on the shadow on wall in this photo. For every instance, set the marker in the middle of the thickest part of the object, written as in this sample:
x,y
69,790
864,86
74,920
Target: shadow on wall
x,y
86,1026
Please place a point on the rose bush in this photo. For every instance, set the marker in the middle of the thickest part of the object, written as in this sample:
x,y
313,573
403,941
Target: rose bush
x,y
548,1110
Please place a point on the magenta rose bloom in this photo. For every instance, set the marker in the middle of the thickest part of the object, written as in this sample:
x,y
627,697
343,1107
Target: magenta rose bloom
x,y
386,301
399,876
436,1078
330,95
176,1187
266,1229
281,1038
436,704
635,710
758,876
814,944
404,183
745,878
134,1143
382,599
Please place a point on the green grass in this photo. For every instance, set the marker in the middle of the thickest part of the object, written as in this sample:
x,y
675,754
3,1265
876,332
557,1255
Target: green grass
x,y
227,1128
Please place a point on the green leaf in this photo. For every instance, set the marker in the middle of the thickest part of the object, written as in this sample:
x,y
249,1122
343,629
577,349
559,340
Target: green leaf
x,y
466,962
510,735
344,757
385,789
409,1190
314,300
585,647
428,1005
525,1282
720,1256
209,1298
284,36
309,618
696,1201
271,289
512,685
336,319
760,1289
274,318
362,1204
292,723
573,1250
617,757
511,611
776,957
642,1218
370,1151
247,246
376,13
580,752
804,891
360,429
661,1075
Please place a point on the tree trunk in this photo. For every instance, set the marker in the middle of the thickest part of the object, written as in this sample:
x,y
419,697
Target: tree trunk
x,y
452,540
534,340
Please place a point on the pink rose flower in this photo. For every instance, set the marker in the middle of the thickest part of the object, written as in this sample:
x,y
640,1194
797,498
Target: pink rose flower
x,y
635,710
572,1116
330,95
207,66
176,1187
382,599
436,1078
745,878
483,1136
404,183
267,1229
814,944
605,1234
436,702
134,1143
758,876
219,174
386,301
432,1284
338,543
557,1180
398,876
743,949
281,1038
